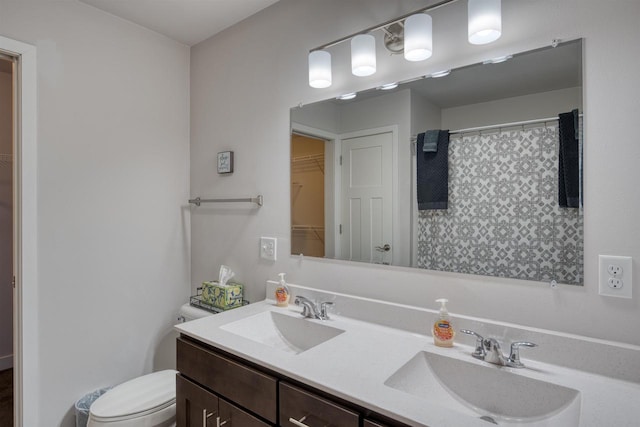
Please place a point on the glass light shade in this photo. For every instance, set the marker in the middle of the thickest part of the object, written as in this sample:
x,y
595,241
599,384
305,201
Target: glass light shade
x,y
363,55
319,69
485,21
418,40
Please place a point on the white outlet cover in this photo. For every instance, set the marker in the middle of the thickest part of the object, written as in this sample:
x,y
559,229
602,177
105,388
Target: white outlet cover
x,y
626,278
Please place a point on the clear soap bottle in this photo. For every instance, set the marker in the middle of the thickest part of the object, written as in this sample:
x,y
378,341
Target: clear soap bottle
x,y
282,292
443,332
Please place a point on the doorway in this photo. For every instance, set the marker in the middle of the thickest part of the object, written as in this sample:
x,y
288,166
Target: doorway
x,y
7,117
367,197
25,230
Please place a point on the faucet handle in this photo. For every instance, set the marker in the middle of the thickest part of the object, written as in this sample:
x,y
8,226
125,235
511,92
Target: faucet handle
x,y
306,304
323,309
514,357
479,352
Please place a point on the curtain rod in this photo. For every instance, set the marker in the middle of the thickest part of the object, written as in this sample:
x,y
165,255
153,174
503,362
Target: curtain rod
x,y
497,126
259,200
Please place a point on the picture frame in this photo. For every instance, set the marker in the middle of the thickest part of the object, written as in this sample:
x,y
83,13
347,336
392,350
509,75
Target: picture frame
x,y
225,162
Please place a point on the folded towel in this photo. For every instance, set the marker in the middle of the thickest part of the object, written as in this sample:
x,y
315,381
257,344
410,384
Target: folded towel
x,y
431,141
432,170
568,161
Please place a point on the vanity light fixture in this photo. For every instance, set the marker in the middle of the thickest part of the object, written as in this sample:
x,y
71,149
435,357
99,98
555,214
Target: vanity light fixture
x,y
388,86
485,21
438,74
347,96
363,55
498,59
410,34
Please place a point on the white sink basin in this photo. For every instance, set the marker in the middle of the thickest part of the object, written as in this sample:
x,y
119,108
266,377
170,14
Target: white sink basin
x,y
487,391
281,331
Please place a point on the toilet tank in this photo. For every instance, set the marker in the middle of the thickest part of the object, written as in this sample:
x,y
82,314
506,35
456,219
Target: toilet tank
x,y
164,356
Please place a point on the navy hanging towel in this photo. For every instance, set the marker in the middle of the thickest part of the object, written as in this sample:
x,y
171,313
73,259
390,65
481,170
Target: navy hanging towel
x,y
432,171
568,161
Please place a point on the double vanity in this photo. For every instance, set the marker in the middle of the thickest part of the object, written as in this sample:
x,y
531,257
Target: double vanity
x,y
371,363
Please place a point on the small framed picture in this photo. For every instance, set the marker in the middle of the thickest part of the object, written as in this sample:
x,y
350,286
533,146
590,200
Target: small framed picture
x,y
225,162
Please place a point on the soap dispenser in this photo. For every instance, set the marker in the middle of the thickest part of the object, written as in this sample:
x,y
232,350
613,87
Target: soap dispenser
x,y
282,292
443,332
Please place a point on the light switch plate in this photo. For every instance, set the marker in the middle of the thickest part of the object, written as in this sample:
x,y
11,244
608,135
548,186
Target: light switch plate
x,y
615,276
269,248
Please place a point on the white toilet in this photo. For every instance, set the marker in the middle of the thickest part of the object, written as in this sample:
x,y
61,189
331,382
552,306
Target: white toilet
x,y
146,401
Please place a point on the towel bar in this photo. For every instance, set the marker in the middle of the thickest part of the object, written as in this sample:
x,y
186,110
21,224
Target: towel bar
x,y
257,200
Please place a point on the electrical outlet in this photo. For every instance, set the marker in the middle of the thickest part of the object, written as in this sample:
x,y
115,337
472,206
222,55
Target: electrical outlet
x,y
615,276
614,283
614,270
269,248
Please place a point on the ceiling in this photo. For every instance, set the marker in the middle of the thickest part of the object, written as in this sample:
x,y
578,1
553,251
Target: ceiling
x,y
186,21
527,73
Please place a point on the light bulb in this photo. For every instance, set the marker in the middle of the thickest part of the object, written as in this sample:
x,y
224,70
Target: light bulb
x,y
485,21
319,69
418,40
363,55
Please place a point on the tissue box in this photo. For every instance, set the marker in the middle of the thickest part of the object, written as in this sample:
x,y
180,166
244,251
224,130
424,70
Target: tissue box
x,y
223,297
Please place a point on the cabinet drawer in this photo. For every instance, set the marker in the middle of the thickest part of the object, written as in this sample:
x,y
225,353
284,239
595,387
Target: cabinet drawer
x,y
247,387
231,416
195,406
311,410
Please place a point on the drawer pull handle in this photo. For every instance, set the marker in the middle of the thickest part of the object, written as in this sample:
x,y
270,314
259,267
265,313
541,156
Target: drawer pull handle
x,y
205,417
299,422
220,423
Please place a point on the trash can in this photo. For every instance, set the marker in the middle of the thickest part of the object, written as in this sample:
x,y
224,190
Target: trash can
x,y
84,403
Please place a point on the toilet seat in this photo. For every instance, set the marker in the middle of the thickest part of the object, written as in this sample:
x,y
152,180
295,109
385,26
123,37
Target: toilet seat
x,y
148,401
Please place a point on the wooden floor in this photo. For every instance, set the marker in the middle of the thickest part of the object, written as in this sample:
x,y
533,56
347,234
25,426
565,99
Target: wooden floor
x,y
6,398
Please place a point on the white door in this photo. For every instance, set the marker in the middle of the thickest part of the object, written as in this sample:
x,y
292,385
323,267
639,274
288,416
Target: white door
x,y
367,198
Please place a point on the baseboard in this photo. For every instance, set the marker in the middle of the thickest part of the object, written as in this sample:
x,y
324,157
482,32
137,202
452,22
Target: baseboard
x,y
6,362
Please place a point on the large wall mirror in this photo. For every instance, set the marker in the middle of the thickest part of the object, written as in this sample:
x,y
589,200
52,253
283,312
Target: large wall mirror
x,y
511,157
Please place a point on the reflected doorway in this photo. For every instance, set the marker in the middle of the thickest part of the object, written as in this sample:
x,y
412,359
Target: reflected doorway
x,y
308,195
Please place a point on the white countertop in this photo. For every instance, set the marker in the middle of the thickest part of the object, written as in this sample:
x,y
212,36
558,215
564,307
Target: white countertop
x,y
355,365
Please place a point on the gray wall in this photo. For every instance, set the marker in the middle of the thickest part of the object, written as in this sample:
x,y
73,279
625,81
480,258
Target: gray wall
x,y
113,167
238,105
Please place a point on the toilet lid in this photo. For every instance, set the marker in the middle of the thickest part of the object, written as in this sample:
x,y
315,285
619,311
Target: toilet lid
x,y
145,394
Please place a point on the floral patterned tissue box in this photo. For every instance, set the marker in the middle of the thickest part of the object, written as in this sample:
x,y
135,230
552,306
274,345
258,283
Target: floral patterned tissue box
x,y
222,297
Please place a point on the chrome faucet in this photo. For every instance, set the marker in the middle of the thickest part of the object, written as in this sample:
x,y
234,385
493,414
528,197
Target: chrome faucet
x,y
309,308
488,349
494,353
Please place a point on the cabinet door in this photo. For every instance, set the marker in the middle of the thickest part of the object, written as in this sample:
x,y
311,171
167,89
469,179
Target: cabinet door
x,y
195,406
247,387
304,409
369,423
232,416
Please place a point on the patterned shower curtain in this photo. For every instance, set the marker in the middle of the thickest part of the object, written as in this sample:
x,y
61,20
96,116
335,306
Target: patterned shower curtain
x,y
503,217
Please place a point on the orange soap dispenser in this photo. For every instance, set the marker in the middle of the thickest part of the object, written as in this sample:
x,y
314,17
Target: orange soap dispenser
x,y
443,333
282,292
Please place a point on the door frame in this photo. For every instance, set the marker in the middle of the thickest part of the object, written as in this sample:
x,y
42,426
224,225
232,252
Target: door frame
x,y
395,215
25,301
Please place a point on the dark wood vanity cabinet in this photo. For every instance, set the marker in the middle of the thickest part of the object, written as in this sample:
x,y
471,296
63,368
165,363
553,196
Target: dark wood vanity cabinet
x,y
219,390
306,408
197,407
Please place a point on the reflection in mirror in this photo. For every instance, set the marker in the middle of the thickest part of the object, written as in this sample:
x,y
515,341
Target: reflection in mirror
x,y
505,193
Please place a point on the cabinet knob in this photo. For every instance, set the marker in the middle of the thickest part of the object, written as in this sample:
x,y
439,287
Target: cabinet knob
x,y
299,422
